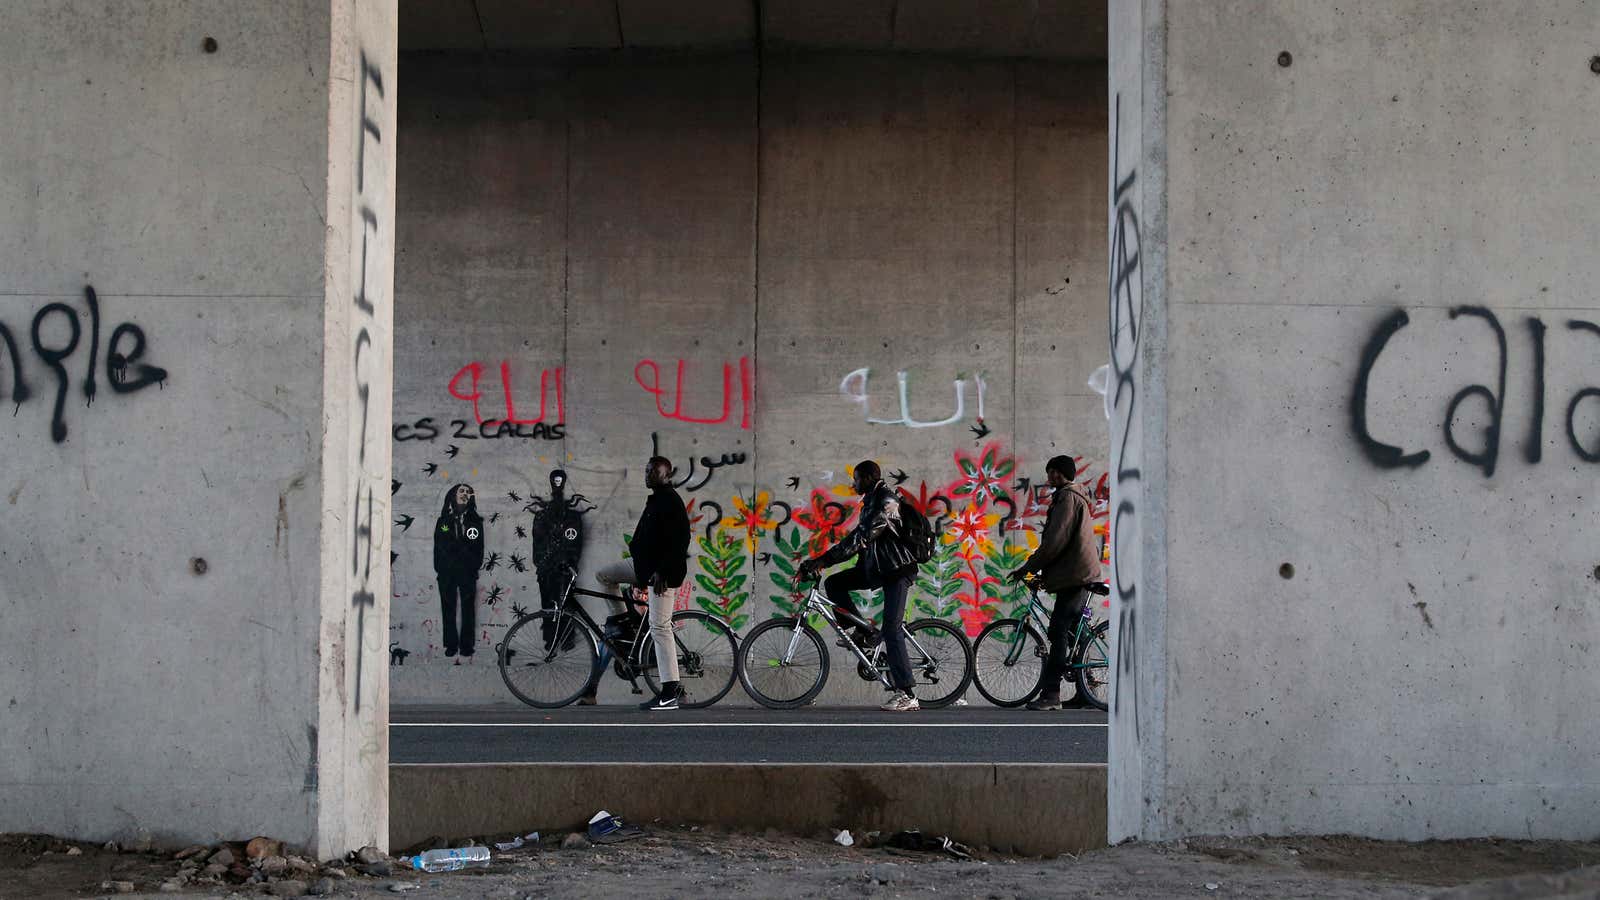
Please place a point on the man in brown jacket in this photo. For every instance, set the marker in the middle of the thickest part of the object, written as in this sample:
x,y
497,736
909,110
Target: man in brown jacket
x,y
1067,559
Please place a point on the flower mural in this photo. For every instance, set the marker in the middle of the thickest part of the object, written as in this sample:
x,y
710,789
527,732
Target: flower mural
x,y
825,520
983,478
752,517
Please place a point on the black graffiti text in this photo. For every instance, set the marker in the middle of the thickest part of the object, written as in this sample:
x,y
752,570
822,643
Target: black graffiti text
x,y
1483,451
125,369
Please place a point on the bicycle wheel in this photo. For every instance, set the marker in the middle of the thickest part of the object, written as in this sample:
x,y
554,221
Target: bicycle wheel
x,y
941,661
708,658
776,678
1094,672
553,675
1002,680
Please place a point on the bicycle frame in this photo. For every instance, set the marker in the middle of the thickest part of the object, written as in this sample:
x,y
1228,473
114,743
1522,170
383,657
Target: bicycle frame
x,y
1039,616
633,660
817,602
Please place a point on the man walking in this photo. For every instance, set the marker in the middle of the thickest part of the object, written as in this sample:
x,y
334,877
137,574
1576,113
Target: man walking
x,y
1068,560
884,560
659,563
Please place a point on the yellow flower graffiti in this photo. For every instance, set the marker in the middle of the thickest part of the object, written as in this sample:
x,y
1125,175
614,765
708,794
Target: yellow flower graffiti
x,y
752,517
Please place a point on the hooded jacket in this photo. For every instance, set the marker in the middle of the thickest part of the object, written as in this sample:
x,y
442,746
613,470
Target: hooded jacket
x,y
458,539
878,536
1067,556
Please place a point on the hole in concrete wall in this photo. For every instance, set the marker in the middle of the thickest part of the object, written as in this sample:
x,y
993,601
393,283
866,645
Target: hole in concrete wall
x,y
198,565
1286,570
1285,59
209,45
1594,64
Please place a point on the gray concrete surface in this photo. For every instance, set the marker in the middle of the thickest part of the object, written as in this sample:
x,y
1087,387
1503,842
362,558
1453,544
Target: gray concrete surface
x,y
799,232
1332,632
179,644
485,734
1027,809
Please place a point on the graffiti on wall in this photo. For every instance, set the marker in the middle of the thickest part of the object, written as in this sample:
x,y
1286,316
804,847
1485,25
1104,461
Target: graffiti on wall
x,y
366,540
1484,451
648,376
856,387
1126,323
125,370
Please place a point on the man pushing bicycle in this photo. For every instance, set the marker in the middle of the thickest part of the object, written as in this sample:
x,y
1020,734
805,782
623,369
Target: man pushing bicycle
x,y
1067,559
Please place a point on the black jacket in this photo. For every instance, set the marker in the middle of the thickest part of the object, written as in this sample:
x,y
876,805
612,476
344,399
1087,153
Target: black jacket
x,y
557,536
661,540
877,537
458,540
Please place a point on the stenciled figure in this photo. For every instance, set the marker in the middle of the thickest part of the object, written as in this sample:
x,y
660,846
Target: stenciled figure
x,y
557,535
457,556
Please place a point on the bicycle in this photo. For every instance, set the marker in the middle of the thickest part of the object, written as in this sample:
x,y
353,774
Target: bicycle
x,y
1009,654
552,673
784,662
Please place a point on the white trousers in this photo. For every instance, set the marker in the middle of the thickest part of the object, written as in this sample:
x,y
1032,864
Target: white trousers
x,y
621,573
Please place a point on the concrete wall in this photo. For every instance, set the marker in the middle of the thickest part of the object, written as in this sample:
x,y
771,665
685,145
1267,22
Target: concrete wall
x,y
994,805
166,217
788,221
1377,617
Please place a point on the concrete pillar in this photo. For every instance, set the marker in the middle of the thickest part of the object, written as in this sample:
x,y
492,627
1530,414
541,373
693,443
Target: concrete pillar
x,y
196,233
1354,434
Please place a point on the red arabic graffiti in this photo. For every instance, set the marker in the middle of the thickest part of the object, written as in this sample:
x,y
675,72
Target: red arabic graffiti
x,y
746,392
474,370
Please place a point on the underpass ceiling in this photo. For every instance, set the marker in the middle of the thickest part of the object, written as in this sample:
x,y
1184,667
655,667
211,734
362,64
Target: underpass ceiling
x,y
1050,29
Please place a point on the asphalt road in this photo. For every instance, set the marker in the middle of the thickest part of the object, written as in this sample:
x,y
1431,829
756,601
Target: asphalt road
x,y
498,734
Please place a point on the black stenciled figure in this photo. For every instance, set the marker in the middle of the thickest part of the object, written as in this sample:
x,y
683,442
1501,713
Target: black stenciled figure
x,y
557,536
457,555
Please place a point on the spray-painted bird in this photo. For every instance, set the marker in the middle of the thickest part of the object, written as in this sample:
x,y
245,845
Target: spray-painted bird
x,y
392,557
981,430
430,468
899,476
394,486
764,558
404,522
794,483
451,451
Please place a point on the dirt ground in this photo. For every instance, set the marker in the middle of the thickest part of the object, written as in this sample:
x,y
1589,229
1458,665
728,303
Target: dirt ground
x,y
675,861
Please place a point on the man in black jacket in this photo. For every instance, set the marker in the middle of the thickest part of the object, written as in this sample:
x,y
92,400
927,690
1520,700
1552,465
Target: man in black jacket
x,y
659,562
457,556
884,561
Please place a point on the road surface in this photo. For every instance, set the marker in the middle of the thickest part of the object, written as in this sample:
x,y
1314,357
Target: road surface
x,y
499,734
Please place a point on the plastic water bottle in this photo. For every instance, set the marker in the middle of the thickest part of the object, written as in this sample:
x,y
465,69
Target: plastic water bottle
x,y
451,860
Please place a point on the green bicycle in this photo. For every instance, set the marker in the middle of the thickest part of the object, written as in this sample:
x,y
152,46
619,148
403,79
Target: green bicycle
x,y
1009,654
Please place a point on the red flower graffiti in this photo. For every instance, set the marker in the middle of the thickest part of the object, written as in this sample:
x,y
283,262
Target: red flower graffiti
x,y
983,478
825,520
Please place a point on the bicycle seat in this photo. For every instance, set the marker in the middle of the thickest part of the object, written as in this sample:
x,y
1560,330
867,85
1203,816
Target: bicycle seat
x,y
1100,588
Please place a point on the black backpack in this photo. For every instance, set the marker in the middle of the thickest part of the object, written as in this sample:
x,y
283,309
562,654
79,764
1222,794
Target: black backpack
x,y
917,532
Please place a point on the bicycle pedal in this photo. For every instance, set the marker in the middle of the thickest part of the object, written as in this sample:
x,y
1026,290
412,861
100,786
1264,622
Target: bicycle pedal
x,y
637,691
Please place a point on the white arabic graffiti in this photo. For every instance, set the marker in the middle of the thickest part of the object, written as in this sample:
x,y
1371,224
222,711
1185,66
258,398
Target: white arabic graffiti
x,y
854,387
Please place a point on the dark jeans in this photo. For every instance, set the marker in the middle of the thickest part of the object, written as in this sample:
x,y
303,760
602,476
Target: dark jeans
x,y
896,588
463,593
1063,626
551,585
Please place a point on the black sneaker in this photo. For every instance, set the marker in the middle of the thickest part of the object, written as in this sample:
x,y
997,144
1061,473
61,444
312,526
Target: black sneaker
x,y
663,702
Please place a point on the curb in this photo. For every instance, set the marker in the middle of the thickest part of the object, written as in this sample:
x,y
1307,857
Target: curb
x,y
1041,809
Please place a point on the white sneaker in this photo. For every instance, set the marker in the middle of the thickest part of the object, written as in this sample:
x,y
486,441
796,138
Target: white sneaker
x,y
901,702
